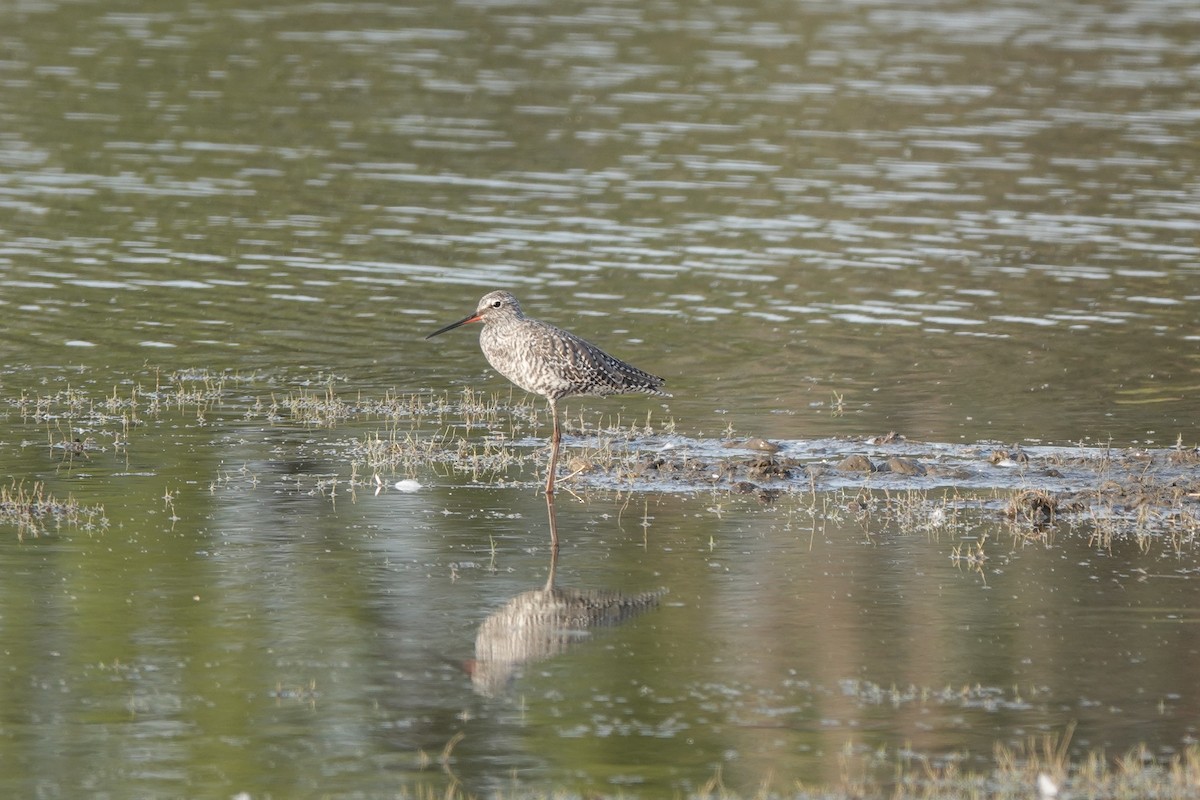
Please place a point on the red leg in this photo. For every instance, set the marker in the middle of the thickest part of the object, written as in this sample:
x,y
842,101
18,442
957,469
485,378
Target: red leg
x,y
555,438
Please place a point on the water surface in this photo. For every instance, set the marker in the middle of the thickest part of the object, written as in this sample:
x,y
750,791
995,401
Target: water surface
x,y
970,225
989,209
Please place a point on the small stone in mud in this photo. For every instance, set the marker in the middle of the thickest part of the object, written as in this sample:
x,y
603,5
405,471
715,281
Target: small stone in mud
x,y
815,470
761,445
768,468
855,463
955,473
1004,458
903,466
724,470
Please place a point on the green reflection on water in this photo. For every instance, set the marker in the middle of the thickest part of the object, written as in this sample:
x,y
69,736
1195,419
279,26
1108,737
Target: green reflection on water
x,y
955,222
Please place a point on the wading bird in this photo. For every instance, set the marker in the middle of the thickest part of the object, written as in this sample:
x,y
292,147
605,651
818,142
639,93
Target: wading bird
x,y
549,361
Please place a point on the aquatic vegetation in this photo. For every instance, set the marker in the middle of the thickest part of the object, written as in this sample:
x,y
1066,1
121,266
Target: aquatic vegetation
x,y
1040,767
113,414
364,440
1032,506
33,511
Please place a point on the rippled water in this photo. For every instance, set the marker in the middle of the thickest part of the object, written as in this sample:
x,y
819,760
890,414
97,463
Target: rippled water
x,y
965,222
958,222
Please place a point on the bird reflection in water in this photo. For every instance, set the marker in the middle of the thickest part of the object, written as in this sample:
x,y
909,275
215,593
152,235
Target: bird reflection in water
x,y
542,623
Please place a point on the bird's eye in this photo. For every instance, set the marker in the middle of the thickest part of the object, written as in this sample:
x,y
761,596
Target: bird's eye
x,y
496,304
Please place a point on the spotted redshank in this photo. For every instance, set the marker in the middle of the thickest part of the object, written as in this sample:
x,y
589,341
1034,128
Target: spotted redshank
x,y
549,361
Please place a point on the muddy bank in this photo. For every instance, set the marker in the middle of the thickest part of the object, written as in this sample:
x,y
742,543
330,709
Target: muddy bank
x,y
318,438
1035,484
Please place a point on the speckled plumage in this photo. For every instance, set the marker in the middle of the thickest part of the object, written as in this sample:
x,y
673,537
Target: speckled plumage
x,y
547,360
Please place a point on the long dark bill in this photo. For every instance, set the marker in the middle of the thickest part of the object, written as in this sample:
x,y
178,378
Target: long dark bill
x,y
453,325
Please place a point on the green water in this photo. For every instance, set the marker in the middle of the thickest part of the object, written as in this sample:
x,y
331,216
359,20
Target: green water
x,y
962,223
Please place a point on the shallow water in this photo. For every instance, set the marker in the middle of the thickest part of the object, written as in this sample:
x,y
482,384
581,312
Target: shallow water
x,y
248,594
966,223
963,224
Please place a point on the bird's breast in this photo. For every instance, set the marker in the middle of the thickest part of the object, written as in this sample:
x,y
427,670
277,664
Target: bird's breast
x,y
521,354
